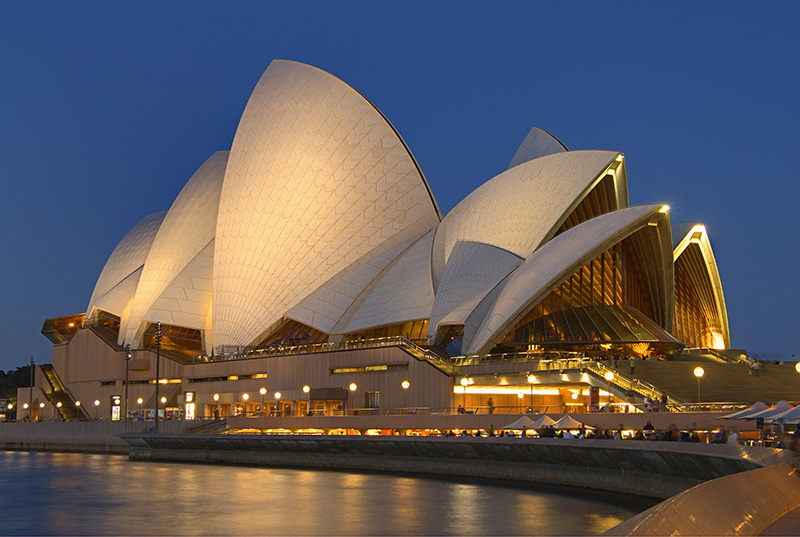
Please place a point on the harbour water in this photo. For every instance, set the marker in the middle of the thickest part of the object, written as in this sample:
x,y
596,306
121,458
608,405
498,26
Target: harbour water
x,y
83,494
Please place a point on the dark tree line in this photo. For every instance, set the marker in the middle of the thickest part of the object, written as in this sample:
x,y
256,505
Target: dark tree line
x,y
11,380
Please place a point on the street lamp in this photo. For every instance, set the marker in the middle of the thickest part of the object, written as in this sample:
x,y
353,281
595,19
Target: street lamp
x,y
353,387
698,372
307,391
158,362
520,396
96,405
797,367
216,406
531,380
405,384
277,403
263,392
464,384
25,406
245,397
77,410
609,376
127,368
58,406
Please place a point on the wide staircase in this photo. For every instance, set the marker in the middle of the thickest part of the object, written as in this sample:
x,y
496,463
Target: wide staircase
x,y
58,393
721,382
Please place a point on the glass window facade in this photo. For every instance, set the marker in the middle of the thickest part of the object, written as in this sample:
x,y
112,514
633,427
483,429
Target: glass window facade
x,y
614,299
415,331
697,320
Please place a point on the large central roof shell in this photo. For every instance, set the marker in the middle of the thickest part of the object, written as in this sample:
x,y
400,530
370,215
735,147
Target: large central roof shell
x,y
316,178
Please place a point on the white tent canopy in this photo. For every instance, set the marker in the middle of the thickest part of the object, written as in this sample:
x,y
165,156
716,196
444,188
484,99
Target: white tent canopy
x,y
567,422
771,412
524,421
542,422
791,415
742,414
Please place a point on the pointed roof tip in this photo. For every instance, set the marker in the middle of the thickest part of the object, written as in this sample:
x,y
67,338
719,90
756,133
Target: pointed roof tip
x,y
537,143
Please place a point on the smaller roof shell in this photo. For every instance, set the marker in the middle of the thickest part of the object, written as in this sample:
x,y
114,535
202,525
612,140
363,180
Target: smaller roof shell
x,y
554,262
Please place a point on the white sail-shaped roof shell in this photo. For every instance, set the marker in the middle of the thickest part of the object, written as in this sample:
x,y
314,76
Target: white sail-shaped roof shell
x,y
329,307
187,229
538,143
127,258
553,263
524,206
316,178
472,271
403,292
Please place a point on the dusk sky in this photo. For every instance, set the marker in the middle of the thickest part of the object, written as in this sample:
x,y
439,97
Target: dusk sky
x,y
107,109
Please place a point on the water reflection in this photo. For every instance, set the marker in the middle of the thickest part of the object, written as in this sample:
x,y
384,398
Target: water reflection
x,y
63,493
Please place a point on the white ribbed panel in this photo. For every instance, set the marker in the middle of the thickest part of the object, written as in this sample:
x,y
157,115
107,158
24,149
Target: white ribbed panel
x,y
538,143
552,264
186,300
118,299
127,257
472,271
403,292
326,306
517,209
187,229
316,179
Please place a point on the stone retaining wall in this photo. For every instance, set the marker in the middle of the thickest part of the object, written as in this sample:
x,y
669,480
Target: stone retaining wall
x,y
654,469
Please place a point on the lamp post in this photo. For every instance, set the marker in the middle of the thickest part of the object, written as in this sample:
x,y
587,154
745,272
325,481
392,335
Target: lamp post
x,y
96,408
353,387
263,392
58,406
531,380
609,376
139,401
9,408
25,407
698,372
277,403
464,384
520,396
127,367
41,409
307,391
216,406
77,410
245,397
30,392
158,363
405,384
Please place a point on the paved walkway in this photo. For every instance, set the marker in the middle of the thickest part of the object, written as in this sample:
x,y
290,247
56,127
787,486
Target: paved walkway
x,y
788,524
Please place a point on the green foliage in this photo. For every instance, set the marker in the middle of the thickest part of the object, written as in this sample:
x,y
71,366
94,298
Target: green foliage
x,y
11,380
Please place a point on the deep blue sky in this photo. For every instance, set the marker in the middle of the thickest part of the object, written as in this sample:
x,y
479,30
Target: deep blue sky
x,y
106,110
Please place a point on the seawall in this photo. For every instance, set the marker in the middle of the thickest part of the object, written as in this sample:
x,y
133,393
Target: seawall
x,y
80,436
653,469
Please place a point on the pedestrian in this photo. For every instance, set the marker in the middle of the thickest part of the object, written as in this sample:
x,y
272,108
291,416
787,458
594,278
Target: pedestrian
x,y
649,430
664,402
490,403
632,363
756,368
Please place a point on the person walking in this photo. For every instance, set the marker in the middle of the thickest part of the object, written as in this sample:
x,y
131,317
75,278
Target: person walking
x,y
632,363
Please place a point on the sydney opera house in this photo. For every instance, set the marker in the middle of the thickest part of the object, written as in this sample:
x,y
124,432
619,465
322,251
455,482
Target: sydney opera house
x,y
311,260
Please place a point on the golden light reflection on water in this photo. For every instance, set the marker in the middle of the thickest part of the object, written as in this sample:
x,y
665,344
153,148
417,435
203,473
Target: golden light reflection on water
x,y
102,494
